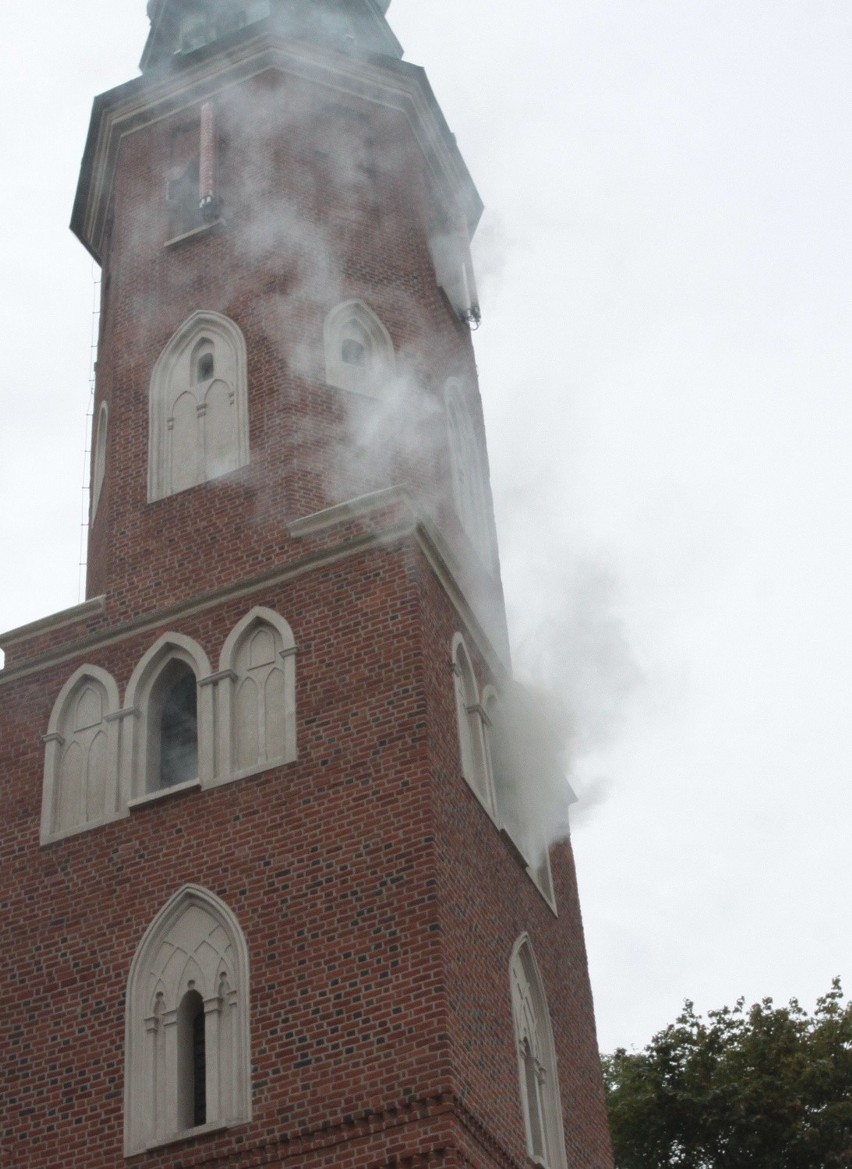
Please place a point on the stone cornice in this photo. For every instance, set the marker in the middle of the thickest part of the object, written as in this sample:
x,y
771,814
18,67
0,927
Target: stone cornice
x,y
386,81
405,523
93,608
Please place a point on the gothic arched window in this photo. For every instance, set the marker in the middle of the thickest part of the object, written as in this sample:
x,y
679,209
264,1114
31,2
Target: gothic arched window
x,y
173,732
81,755
257,694
470,716
359,353
187,1028
468,472
508,723
198,408
99,468
538,1081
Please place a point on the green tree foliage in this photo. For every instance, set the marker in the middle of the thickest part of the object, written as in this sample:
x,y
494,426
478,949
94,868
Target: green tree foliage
x,y
763,1087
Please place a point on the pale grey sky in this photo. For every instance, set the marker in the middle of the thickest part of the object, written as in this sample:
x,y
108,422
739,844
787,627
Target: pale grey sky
x,y
665,364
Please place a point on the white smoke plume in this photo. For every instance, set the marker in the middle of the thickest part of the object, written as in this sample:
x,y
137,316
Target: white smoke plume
x,y
575,668
576,676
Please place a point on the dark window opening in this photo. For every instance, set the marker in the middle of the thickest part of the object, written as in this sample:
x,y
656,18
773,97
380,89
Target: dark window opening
x,y
179,731
354,353
192,1062
531,1078
205,367
199,1068
184,210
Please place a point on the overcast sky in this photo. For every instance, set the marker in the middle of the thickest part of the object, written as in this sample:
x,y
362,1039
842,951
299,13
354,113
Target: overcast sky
x,y
665,364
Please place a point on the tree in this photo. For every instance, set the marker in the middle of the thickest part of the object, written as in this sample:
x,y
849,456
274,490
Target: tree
x,y
763,1087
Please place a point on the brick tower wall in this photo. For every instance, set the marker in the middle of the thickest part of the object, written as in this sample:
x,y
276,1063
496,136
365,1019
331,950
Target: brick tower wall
x,y
379,900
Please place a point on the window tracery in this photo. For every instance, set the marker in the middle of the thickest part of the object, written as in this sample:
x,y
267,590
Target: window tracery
x,y
80,771
257,702
173,727
359,353
537,1075
198,412
187,1029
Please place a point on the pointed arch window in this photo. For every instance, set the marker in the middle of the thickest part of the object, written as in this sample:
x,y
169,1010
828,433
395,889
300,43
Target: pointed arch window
x,y
81,749
537,1075
508,724
359,353
468,472
170,744
187,1027
257,694
198,406
173,713
99,468
471,717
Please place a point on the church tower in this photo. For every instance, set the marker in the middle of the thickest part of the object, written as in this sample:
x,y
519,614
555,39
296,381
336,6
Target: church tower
x,y
272,890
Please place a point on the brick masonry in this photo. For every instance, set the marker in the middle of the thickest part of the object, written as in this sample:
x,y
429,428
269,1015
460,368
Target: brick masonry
x,y
378,899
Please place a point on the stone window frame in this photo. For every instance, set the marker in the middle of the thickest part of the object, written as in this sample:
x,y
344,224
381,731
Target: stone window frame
x,y
503,788
380,352
128,727
55,741
200,325
227,681
99,463
538,1078
137,744
471,717
467,471
180,954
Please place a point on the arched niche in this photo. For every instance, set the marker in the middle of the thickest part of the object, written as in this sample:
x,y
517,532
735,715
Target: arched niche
x,y
256,688
537,1074
359,352
80,788
159,705
198,406
187,1021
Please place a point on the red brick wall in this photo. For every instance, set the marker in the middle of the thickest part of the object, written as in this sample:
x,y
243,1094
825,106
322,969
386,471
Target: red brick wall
x,y
292,246
378,900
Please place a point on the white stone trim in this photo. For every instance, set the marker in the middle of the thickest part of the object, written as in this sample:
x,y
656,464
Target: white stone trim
x,y
135,746
473,755
375,378
231,678
351,509
403,88
492,644
13,637
164,793
195,942
53,824
532,1028
172,381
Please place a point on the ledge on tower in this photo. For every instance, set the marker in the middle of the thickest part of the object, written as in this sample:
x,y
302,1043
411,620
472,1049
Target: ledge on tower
x,y
180,27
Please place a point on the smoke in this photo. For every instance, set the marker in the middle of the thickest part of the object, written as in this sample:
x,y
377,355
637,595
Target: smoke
x,y
576,675
576,672
338,167
574,664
